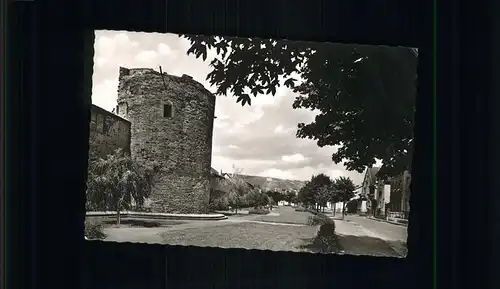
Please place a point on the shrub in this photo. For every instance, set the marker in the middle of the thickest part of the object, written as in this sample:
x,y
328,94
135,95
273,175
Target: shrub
x,y
258,211
257,199
327,229
320,219
235,201
93,230
326,240
218,204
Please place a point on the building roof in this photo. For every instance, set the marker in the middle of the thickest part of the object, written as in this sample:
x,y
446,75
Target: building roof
x,y
215,173
95,108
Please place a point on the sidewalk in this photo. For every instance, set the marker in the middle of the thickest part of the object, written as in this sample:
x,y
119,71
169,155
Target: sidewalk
x,y
357,240
387,221
343,227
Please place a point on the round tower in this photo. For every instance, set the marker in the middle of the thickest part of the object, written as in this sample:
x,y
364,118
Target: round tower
x,y
171,123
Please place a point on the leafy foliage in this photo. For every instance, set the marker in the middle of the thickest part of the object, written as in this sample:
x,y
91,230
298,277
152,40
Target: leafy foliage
x,y
257,199
289,197
238,190
220,203
344,190
365,95
235,201
275,196
118,183
322,195
308,195
94,231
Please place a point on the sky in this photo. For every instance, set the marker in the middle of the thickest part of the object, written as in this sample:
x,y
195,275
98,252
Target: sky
x,y
257,140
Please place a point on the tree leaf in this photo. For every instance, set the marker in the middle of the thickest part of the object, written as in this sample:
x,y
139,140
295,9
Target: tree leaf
x,y
370,103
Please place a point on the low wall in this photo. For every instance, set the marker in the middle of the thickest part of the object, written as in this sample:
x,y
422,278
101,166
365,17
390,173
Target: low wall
x,y
156,216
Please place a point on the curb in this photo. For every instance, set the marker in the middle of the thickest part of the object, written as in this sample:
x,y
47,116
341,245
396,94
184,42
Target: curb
x,y
389,222
161,216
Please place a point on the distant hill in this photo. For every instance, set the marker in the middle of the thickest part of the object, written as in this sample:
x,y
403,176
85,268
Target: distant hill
x,y
270,184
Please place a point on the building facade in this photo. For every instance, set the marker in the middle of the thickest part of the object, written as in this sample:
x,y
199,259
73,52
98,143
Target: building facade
x,y
108,132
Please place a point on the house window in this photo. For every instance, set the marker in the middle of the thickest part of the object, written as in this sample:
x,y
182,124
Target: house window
x,y
167,110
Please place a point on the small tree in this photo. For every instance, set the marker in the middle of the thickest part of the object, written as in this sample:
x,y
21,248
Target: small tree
x,y
345,189
316,184
257,199
271,202
235,201
288,197
238,188
118,183
306,195
275,196
322,196
333,196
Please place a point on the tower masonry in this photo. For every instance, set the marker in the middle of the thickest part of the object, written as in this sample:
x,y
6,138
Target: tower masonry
x,y
171,123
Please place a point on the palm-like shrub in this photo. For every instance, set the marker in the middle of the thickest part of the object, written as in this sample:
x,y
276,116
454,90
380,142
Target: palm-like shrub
x,y
118,183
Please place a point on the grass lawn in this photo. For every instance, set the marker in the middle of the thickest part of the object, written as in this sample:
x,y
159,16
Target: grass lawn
x,y
286,215
245,235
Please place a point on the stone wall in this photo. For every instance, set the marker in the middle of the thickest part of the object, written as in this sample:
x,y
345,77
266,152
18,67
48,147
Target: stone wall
x,y
108,132
180,140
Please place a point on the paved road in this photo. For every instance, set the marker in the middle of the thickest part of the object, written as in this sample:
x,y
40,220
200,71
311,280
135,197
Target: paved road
x,y
385,231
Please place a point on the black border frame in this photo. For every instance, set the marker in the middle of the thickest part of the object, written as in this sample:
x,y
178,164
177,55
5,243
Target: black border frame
x,y
53,149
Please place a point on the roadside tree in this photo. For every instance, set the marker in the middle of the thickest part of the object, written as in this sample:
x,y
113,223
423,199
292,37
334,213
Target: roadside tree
x,y
345,189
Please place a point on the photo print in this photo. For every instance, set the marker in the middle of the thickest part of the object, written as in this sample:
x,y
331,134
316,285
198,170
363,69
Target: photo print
x,y
250,143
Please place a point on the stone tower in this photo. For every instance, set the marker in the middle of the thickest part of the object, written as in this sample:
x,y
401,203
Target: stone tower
x,y
171,123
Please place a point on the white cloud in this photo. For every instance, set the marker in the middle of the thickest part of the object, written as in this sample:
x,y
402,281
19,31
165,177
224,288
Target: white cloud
x,y
165,50
220,124
104,94
282,130
276,173
296,158
100,61
336,174
123,39
146,57
109,46
246,166
237,126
